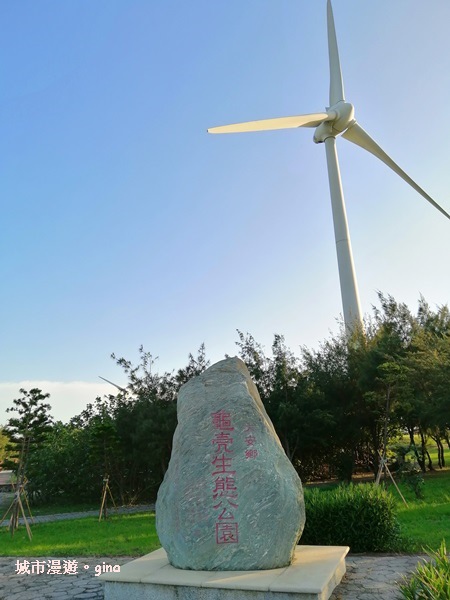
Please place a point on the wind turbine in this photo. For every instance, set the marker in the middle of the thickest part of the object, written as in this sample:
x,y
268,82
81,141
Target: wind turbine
x,y
337,120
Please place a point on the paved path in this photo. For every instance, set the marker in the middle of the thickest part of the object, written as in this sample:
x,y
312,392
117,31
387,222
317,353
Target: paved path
x,y
367,578
78,582
374,577
121,510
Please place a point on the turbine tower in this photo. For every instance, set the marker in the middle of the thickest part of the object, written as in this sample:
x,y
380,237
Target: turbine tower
x,y
337,120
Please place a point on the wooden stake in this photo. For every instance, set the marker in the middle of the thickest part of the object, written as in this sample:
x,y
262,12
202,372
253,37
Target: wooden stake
x,y
104,505
383,464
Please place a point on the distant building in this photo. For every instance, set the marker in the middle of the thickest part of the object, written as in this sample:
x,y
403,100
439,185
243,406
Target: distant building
x,y
6,481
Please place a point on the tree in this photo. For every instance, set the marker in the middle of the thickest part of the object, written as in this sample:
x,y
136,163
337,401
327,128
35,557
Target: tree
x,y
297,409
127,436
282,402
334,408
428,411
252,353
332,384
61,467
28,429
26,432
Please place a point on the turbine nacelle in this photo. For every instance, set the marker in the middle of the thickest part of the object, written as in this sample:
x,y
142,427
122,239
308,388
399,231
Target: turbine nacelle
x,y
341,116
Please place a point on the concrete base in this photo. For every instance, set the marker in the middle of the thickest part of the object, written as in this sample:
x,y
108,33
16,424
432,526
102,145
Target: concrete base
x,y
313,575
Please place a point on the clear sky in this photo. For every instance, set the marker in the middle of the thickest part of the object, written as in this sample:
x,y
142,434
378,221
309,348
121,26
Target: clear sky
x,y
125,223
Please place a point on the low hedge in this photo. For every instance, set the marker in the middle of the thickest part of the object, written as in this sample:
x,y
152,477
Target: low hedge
x,y
360,516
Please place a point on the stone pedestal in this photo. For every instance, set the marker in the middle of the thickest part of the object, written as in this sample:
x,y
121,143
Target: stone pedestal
x,y
313,575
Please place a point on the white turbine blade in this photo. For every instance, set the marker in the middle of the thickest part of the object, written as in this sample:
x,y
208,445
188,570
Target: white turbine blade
x,y
312,120
358,136
114,384
336,84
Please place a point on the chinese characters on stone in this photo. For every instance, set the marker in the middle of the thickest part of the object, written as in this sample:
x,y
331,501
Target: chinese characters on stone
x,y
250,440
225,493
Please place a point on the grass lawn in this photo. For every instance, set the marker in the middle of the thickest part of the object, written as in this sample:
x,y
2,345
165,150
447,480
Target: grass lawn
x,y
425,522
122,535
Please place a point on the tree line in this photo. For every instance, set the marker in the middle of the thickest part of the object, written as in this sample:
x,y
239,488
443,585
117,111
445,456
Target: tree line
x,y
335,408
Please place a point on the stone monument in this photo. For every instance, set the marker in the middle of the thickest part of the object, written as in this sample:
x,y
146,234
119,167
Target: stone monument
x,y
231,499
230,510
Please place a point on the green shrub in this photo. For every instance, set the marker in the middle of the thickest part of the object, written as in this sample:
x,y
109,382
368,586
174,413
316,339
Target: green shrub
x,y
408,469
411,475
431,581
359,516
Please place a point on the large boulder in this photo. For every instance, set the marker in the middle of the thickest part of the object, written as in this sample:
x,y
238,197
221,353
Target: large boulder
x,y
231,499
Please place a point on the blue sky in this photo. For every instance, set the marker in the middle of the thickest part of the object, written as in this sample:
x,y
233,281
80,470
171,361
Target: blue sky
x,y
125,223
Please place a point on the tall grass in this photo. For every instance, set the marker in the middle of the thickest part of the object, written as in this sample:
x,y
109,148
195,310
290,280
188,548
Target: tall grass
x,y
431,580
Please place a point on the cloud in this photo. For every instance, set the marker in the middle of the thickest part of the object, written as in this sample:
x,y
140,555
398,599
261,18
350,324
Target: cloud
x,y
67,399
